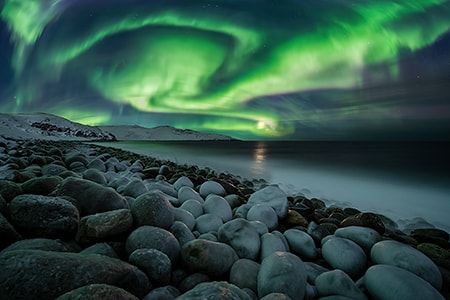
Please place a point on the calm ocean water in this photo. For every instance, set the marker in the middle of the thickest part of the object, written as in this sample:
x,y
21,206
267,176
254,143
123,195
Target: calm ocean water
x,y
400,180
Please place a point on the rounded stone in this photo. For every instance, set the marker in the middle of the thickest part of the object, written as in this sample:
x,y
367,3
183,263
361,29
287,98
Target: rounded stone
x,y
153,238
186,193
271,243
97,291
242,237
406,257
364,236
183,181
215,290
194,207
211,187
217,205
260,227
301,244
244,274
135,188
163,293
208,222
272,196
282,272
155,264
345,255
263,213
390,282
181,232
43,185
153,209
211,258
184,216
337,282
95,176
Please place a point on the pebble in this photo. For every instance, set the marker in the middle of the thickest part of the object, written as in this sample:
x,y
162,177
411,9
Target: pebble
x,y
208,222
272,196
218,206
154,209
271,243
195,207
244,274
301,244
363,236
265,214
211,187
155,264
242,237
215,290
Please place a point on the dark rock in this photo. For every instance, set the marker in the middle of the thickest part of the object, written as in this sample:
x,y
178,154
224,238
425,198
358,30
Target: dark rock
x,y
52,169
155,264
39,244
215,290
44,216
211,258
3,205
92,197
154,209
163,293
156,238
135,188
102,249
351,221
433,251
432,235
97,292
97,164
95,176
8,233
76,157
9,190
181,232
104,225
242,237
190,281
350,211
244,274
22,274
372,220
41,185
293,219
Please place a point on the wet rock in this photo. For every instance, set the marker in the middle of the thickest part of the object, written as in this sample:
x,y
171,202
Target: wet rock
x,y
104,225
363,236
406,257
271,243
265,214
41,185
317,232
21,276
44,216
345,255
97,292
244,274
432,235
193,206
272,196
184,216
92,197
95,176
293,219
211,258
211,187
242,237
372,220
218,206
301,244
282,272
390,282
154,209
337,282
102,249
9,190
156,238
433,251
186,193
313,270
181,232
183,181
208,222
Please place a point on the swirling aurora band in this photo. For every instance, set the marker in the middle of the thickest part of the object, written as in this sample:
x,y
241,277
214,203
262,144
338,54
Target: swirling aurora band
x,y
252,69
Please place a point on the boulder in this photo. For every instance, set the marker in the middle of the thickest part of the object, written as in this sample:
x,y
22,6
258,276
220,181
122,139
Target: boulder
x,y
211,258
219,290
43,185
218,206
301,244
282,272
181,232
44,216
242,237
163,293
337,282
38,244
195,207
244,274
390,282
265,214
364,236
184,216
155,264
271,243
92,197
135,188
272,196
154,209
345,255
406,257
97,292
102,249
208,222
95,176
104,225
8,233
23,270
211,187
154,238
187,193
183,181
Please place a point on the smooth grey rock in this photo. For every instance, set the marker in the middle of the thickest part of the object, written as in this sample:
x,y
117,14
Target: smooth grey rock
x,y
244,274
271,243
211,187
194,207
163,293
135,188
282,272
364,236
38,244
218,206
8,233
52,169
184,216
97,164
153,238
406,257
276,296
186,193
102,249
104,225
44,216
95,176
190,281
301,244
211,258
345,255
337,282
155,264
181,232
92,197
43,185
265,214
22,274
242,237
153,208
183,181
313,270
9,190
260,227
390,282
241,211
215,290
97,292
208,222
272,196
164,187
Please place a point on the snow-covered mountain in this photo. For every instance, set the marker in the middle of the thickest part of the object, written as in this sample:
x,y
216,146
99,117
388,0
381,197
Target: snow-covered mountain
x,y
48,127
161,133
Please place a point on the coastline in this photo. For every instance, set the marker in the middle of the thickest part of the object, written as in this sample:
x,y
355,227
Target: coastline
x,y
303,214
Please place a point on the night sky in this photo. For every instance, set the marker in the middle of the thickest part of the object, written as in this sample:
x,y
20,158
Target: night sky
x,y
252,69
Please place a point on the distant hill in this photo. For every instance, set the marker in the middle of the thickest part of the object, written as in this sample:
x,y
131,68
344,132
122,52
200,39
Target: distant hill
x,y
161,133
44,126
48,127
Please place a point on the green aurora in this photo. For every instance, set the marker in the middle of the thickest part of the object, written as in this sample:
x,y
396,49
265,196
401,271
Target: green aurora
x,y
327,69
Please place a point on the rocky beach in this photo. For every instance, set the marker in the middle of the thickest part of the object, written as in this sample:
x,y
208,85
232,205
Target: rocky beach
x,y
81,221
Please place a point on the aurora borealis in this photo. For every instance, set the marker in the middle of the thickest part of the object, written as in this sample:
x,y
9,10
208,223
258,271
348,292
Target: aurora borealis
x,y
297,69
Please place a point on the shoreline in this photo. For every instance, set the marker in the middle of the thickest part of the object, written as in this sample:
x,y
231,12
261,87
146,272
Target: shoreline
x,y
310,216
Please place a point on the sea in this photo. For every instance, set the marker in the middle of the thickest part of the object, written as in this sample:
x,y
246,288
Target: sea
x,y
408,182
